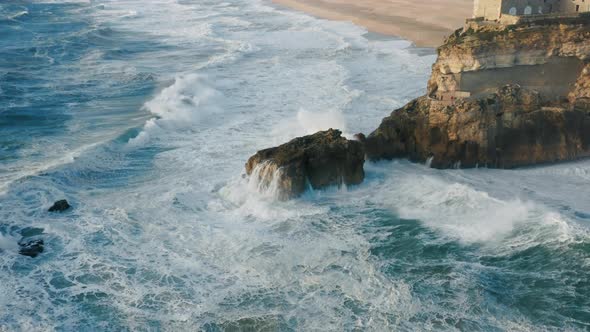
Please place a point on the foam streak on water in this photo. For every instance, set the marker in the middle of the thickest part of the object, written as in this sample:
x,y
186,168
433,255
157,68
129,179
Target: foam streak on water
x,y
142,114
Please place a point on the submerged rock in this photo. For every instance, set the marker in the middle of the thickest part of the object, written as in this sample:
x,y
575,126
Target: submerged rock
x,y
510,128
262,324
31,248
60,206
31,231
322,159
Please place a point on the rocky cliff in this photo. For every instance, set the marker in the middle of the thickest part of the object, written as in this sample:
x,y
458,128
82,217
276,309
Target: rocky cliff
x,y
531,44
499,96
507,129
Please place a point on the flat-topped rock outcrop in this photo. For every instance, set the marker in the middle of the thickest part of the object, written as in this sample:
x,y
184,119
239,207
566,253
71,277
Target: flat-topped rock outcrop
x,y
319,160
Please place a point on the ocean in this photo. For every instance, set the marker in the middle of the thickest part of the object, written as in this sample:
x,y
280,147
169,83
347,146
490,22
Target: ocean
x,y
142,114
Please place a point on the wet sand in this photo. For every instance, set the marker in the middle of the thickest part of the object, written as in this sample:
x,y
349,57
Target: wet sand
x,y
424,23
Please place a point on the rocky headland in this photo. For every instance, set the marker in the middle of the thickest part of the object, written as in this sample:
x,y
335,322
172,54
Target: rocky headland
x,y
510,128
500,95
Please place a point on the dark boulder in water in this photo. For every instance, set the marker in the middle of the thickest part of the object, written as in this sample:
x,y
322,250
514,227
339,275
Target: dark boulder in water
x,y
60,206
322,159
262,324
31,248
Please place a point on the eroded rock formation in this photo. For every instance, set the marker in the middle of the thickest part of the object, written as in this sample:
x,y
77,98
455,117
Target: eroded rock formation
x,y
322,159
507,129
552,45
499,96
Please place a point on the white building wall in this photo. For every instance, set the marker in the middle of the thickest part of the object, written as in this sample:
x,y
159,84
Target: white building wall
x,y
573,6
493,9
489,9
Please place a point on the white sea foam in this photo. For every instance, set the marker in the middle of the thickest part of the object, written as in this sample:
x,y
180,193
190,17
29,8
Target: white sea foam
x,y
184,102
461,211
8,243
18,14
13,173
178,107
234,49
306,123
59,1
130,14
180,239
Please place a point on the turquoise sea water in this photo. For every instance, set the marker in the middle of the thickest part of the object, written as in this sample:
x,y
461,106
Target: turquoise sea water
x,y
142,114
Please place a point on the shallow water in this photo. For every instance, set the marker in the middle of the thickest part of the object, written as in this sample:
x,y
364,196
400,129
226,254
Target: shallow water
x,y
142,115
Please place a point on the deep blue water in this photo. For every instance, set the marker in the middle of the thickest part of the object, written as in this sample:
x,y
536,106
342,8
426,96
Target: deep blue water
x,y
142,114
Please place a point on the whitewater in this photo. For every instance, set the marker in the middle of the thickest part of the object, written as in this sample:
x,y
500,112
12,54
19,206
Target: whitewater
x,y
142,114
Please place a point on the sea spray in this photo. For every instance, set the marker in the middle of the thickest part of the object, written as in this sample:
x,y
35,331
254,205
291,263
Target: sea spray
x,y
307,123
180,106
429,161
265,180
168,235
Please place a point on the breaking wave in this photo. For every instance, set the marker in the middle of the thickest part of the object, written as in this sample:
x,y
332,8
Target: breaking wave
x,y
143,114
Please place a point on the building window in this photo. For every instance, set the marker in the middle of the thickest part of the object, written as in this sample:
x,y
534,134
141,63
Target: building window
x,y
512,11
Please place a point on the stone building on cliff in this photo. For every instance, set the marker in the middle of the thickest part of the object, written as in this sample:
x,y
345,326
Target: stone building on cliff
x,y
493,10
552,76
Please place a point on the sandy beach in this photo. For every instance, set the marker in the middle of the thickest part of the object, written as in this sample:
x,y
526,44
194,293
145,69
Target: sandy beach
x,y
424,23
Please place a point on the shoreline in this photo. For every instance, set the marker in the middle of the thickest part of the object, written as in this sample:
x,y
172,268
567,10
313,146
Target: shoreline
x,y
421,23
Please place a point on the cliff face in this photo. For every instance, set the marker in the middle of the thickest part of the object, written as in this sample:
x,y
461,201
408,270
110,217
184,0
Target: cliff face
x,y
499,96
507,129
479,47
